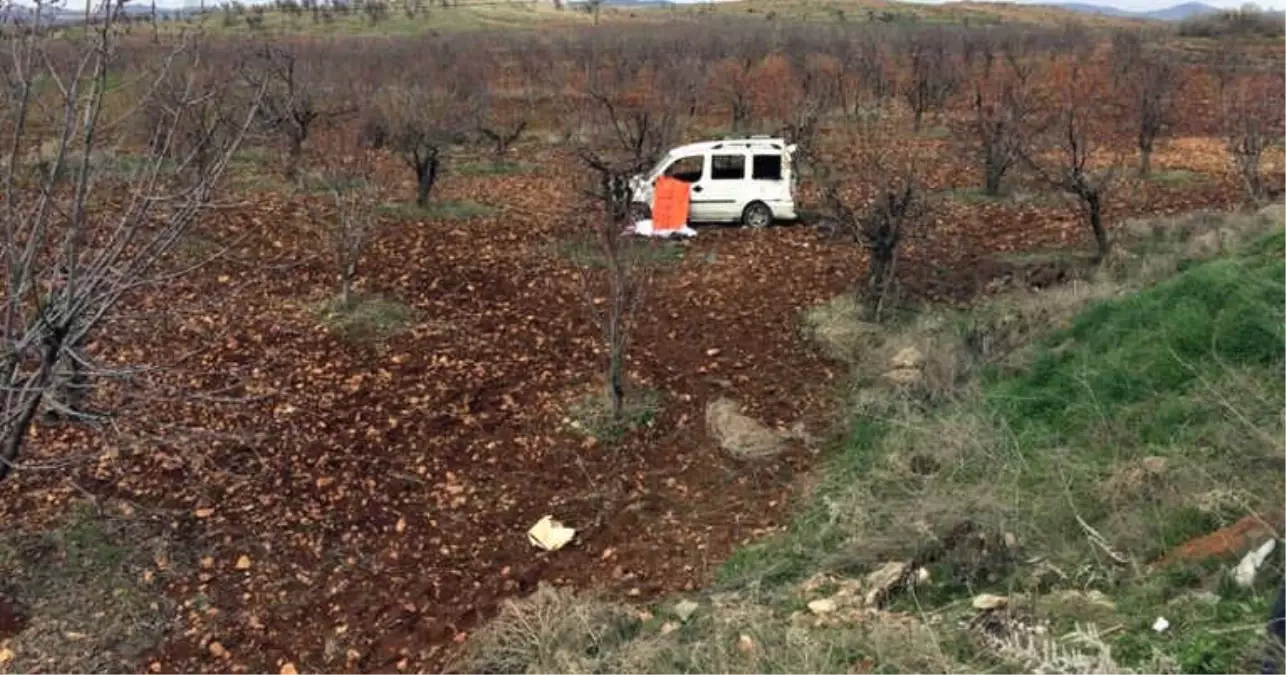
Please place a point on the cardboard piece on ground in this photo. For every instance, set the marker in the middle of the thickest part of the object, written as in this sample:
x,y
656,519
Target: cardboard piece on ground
x,y
549,534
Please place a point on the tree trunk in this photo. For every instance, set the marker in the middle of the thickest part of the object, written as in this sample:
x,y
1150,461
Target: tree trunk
x,y
1095,205
615,376
426,174
1145,157
877,281
992,174
294,155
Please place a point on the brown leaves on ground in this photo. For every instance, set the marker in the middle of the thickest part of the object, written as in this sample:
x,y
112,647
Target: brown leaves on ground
x,y
372,497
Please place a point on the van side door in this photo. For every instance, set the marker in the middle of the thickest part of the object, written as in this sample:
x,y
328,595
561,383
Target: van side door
x,y
722,195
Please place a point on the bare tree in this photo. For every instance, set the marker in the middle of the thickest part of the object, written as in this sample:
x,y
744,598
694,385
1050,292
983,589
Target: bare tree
x,y
886,203
507,106
1070,158
930,75
429,111
69,259
1150,79
1002,107
295,98
732,80
349,221
628,132
1251,119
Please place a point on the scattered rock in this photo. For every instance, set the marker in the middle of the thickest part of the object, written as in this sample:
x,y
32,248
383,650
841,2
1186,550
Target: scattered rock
x,y
1155,464
741,435
669,627
289,669
1249,566
880,582
243,563
217,650
904,377
908,357
1273,212
1196,597
1205,245
823,606
987,602
746,644
684,609
1089,598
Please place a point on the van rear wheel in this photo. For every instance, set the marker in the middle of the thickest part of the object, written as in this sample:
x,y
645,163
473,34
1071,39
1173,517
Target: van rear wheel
x,y
756,215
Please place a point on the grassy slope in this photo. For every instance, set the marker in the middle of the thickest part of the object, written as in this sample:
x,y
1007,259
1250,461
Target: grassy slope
x,y
477,15
1189,370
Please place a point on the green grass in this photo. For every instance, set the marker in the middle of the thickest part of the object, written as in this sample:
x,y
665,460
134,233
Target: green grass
x,y
646,252
1189,370
438,210
592,414
464,17
500,167
366,317
91,588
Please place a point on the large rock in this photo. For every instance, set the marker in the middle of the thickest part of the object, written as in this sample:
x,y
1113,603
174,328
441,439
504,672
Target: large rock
x,y
739,434
1205,245
880,583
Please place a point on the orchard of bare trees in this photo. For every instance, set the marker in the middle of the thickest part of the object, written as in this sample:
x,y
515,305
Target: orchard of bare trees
x,y
1076,111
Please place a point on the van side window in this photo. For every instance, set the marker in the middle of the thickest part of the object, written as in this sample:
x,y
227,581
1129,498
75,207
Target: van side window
x,y
688,169
727,167
767,167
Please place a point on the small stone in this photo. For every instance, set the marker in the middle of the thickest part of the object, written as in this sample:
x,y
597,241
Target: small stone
x,y
243,563
882,580
217,650
1160,625
746,644
908,357
823,606
987,601
684,609
289,669
669,627
904,376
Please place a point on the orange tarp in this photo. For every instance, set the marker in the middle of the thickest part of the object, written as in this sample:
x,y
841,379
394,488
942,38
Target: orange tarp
x,y
670,205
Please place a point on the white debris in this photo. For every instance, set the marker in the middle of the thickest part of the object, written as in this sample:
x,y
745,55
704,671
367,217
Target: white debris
x,y
549,534
684,609
1249,566
823,606
1160,625
644,228
987,601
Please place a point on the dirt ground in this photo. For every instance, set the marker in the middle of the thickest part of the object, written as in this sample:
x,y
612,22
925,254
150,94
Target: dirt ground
x,y
362,505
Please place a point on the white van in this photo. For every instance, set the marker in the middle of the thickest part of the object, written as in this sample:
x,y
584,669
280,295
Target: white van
x,y
747,180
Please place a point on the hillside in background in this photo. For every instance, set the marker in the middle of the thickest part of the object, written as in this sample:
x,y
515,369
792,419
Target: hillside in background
x,y
1175,13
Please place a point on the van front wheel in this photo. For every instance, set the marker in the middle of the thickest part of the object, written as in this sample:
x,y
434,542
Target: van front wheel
x,y
756,215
